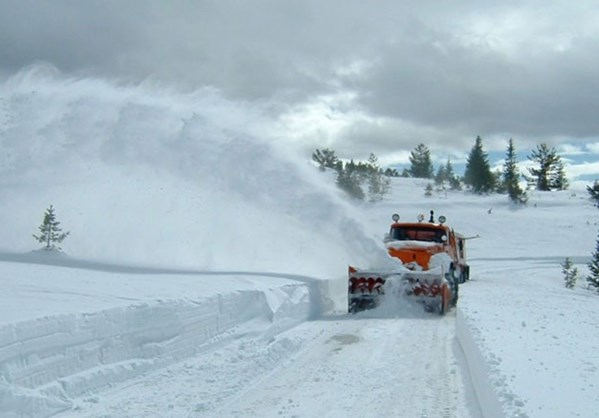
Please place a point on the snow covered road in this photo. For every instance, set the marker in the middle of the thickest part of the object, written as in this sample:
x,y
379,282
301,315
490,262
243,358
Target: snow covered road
x,y
384,367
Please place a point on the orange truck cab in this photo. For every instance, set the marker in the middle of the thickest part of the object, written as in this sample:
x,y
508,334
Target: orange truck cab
x,y
417,244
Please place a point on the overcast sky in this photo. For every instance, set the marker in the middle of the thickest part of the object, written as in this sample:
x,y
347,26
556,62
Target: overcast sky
x,y
356,76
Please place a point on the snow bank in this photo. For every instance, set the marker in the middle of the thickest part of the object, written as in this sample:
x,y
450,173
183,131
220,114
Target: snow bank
x,y
50,360
530,352
486,379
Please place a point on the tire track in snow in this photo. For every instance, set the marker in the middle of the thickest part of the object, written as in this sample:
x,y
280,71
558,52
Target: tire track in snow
x,y
363,367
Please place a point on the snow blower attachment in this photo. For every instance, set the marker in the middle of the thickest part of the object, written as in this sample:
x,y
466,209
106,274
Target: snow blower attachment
x,y
433,264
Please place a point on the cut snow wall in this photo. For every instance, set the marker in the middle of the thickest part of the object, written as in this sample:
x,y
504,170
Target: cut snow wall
x,y
47,361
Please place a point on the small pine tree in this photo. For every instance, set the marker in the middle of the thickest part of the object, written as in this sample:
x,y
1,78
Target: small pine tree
x,y
594,192
429,190
421,165
545,158
498,184
558,180
446,177
391,172
478,173
511,176
441,178
549,174
326,159
378,184
570,273
50,231
348,180
454,181
593,265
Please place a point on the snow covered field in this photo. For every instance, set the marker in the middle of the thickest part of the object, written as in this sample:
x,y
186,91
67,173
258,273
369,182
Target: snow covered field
x,y
205,276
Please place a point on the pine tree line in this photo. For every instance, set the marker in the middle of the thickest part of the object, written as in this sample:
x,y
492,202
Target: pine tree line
x,y
547,174
356,177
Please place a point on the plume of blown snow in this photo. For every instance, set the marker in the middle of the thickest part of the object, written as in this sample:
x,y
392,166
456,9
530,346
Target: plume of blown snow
x,y
143,174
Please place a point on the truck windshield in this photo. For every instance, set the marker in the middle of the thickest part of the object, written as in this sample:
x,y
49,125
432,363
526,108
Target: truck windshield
x,y
417,234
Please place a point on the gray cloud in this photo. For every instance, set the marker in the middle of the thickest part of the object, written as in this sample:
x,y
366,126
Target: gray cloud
x,y
420,72
455,86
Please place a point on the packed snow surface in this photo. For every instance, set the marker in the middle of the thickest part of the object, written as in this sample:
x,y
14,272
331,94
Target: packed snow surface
x,y
205,275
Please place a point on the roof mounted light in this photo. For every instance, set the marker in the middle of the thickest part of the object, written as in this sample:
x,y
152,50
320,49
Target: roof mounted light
x,y
395,217
420,217
442,219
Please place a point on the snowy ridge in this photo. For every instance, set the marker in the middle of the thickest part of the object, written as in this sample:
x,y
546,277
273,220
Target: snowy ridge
x,y
48,361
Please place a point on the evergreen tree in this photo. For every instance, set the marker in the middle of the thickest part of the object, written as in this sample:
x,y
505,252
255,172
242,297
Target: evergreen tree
x,y
421,165
549,172
378,187
349,179
378,184
50,231
352,176
326,159
593,265
441,177
511,175
570,273
499,185
594,192
558,180
428,191
446,177
478,173
449,174
454,181
391,172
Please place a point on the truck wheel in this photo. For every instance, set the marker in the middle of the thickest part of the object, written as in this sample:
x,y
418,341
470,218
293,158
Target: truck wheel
x,y
443,305
441,308
455,295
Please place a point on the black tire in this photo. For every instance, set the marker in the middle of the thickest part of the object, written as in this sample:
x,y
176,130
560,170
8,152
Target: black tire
x,y
466,273
441,308
454,284
455,294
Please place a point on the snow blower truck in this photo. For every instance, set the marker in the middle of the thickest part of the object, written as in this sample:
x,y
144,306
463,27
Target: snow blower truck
x,y
432,265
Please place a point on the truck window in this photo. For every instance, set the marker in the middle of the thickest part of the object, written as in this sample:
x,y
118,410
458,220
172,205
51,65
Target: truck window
x,y
416,234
